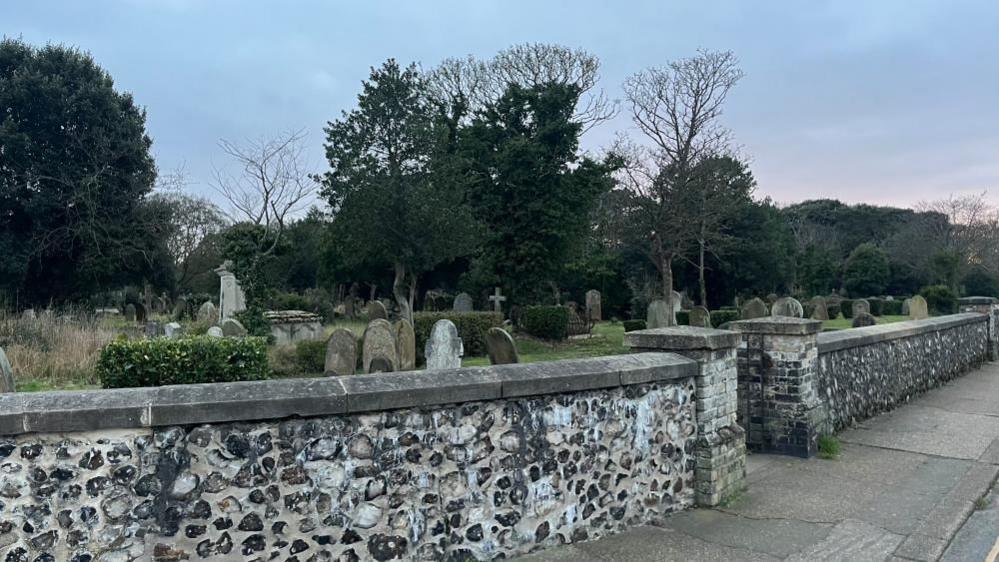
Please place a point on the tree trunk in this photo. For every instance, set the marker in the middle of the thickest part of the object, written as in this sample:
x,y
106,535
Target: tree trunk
x,y
401,292
556,294
413,280
700,275
666,270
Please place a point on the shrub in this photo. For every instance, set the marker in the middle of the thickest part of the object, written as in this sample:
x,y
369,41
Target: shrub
x,y
546,322
940,299
867,270
472,328
162,361
809,309
846,308
310,356
632,325
833,309
255,323
877,306
892,308
979,283
719,317
683,317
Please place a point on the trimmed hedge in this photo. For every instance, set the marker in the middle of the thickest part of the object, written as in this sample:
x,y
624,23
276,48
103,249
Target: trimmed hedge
x,y
472,328
846,308
877,306
162,361
633,325
310,356
940,300
546,322
892,308
719,317
833,309
683,318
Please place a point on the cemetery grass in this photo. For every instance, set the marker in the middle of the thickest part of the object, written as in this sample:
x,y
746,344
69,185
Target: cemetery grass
x,y
607,339
840,323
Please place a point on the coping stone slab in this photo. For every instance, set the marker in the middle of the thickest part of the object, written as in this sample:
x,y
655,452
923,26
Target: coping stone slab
x,y
682,337
408,389
977,300
869,335
777,325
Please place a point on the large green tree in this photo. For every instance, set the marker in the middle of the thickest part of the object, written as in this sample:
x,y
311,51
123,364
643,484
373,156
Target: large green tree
x,y
74,169
393,198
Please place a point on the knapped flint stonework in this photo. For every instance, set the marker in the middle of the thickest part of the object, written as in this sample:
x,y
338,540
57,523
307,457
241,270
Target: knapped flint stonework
x,y
469,481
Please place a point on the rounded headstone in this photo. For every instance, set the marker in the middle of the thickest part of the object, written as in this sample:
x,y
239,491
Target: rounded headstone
x,y
405,340
207,312
501,347
754,308
700,317
444,347
861,305
659,315
906,305
379,342
377,311
173,330
863,319
463,303
341,353
820,310
918,308
215,332
232,328
6,374
787,306
129,312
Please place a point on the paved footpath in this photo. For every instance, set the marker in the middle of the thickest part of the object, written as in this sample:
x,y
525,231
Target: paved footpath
x,y
913,484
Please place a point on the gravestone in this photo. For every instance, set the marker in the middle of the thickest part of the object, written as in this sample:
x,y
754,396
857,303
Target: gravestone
x,y
444,347
862,319
377,311
129,312
658,315
700,317
341,353
497,299
180,311
348,307
232,328
918,309
29,314
231,297
6,374
820,310
405,341
677,303
906,305
207,313
594,309
754,308
174,330
215,332
787,306
152,329
379,347
861,305
501,347
463,303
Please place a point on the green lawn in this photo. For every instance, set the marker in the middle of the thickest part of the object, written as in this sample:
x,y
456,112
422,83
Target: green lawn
x,y
607,339
840,323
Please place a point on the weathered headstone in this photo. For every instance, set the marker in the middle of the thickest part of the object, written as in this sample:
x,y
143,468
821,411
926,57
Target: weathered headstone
x,y
215,332
863,319
231,297
174,330
918,308
820,310
772,298
129,312
377,311
658,315
594,307
6,374
444,347
501,347
463,303
180,311
677,302
379,344
152,329
405,341
497,299
906,305
207,313
29,314
787,306
341,353
754,308
861,305
232,328
700,317
348,307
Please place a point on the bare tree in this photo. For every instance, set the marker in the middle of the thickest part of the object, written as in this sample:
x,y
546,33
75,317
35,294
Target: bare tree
x,y
677,109
271,185
970,231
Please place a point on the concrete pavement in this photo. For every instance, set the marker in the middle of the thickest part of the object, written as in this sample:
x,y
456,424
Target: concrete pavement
x,y
910,485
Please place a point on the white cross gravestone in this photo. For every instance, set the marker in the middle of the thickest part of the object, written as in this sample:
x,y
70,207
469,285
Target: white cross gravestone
x,y
497,299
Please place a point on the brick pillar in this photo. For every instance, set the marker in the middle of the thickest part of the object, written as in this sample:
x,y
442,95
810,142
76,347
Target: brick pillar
x,y
720,455
988,306
779,403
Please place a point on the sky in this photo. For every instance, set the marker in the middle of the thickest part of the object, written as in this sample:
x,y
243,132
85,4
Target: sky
x,y
885,102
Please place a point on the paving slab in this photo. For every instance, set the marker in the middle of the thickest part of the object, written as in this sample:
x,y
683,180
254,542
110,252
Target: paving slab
x,y
777,537
928,430
975,539
653,544
852,541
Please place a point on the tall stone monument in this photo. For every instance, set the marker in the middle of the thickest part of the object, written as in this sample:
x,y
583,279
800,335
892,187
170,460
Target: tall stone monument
x,y
231,297
594,312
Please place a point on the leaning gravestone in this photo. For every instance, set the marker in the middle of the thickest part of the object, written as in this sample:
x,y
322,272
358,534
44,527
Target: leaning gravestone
x,y
594,311
379,347
754,308
129,312
463,303
861,305
405,341
700,317
918,309
6,374
341,353
444,347
377,311
863,319
232,328
207,313
820,310
173,330
787,306
658,315
215,332
501,347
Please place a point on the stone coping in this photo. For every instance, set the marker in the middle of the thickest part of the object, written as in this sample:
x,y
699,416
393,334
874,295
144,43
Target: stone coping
x,y
777,325
681,337
89,410
869,335
977,300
